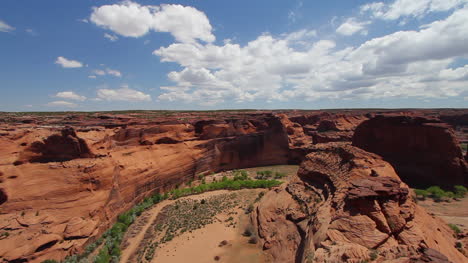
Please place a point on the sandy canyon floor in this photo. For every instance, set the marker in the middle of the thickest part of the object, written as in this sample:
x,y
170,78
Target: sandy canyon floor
x,y
218,232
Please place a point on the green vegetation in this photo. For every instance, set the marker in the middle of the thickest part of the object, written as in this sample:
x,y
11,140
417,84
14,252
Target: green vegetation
x,y
49,261
438,194
455,228
464,146
112,238
264,175
229,184
269,174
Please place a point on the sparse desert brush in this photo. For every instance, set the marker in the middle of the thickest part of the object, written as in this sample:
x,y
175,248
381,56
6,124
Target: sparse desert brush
x,y
249,209
455,228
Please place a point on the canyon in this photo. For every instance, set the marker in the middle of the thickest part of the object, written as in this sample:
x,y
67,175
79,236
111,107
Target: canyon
x,y
65,177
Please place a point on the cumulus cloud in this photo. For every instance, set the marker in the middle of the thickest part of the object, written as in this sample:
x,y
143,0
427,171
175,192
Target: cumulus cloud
x,y
68,63
409,8
111,37
131,19
352,26
401,64
70,95
62,104
122,94
4,27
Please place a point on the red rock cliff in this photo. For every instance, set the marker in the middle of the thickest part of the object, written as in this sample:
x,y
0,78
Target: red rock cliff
x,y
423,151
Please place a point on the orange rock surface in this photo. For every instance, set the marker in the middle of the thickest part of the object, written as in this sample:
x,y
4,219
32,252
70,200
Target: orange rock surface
x,y
64,178
349,205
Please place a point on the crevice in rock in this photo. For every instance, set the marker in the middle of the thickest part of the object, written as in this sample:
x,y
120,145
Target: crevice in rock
x,y
46,245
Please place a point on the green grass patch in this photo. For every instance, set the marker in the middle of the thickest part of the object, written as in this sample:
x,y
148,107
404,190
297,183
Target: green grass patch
x,y
438,194
455,228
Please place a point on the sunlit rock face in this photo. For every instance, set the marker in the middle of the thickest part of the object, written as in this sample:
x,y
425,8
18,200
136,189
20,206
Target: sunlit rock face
x,y
349,205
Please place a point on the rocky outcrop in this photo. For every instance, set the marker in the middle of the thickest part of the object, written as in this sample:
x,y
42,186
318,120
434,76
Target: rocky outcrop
x,y
423,151
56,148
348,205
325,127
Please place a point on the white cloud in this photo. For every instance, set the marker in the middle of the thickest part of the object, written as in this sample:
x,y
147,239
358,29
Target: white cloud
x,y
61,103
70,95
92,76
352,26
4,27
409,8
111,37
107,71
114,72
99,72
401,64
131,19
32,32
122,94
68,63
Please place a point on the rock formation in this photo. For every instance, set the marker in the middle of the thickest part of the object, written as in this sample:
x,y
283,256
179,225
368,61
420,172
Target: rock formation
x,y
423,151
326,127
59,192
348,205
56,148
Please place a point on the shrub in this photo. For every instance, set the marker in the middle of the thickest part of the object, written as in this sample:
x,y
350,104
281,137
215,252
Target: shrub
x,y
103,256
373,255
422,194
436,193
126,218
279,175
455,228
49,261
460,191
249,209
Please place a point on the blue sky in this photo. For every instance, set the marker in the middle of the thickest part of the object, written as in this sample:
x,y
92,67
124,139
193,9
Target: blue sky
x,y
211,54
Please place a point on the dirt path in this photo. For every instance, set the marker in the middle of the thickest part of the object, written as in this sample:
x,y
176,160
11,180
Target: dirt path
x,y
135,241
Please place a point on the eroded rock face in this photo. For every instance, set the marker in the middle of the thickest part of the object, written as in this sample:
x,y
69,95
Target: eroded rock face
x,y
54,209
57,148
423,151
67,204
348,205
